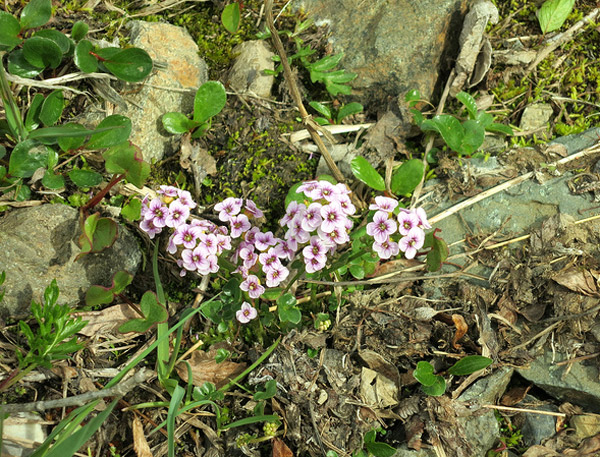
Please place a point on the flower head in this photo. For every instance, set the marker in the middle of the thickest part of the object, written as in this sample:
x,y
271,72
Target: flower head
x,y
246,313
239,225
386,249
385,204
178,214
229,208
252,285
413,241
407,220
382,227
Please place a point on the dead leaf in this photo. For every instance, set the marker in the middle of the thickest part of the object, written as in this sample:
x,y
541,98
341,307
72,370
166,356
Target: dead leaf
x,y
514,395
379,364
206,369
461,329
581,281
540,451
376,390
140,444
280,449
198,159
107,320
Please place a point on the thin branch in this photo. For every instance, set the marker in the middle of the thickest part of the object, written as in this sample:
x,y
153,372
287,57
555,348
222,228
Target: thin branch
x,y
524,410
79,400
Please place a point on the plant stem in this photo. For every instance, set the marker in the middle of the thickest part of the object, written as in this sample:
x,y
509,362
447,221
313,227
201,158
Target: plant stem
x,y
100,195
10,105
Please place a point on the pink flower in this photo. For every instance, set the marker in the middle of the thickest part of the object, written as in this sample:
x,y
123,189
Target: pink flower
x,y
194,259
262,241
315,264
269,260
249,257
147,225
423,222
413,241
252,285
293,209
407,220
286,249
382,227
158,212
312,217
178,214
253,209
276,276
315,248
346,204
246,313
185,198
333,217
385,204
308,187
187,235
229,208
296,232
239,225
337,236
167,191
223,243
386,249
325,190
208,242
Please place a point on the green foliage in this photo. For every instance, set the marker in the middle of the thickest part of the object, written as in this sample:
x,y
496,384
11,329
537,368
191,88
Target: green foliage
x,y
377,448
438,253
464,137
98,233
287,309
210,99
553,14
435,385
231,17
99,295
364,172
331,117
2,289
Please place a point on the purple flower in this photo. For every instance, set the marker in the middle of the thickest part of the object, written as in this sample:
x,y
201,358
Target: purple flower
x,y
239,225
312,217
315,264
249,257
385,204
178,214
293,209
147,225
296,232
246,313
382,227
208,242
187,235
158,212
194,259
407,220
252,285
337,236
223,243
167,191
333,216
250,235
262,241
229,208
186,199
277,275
423,222
412,242
253,209
346,204
308,187
325,190
386,249
286,249
269,260
315,248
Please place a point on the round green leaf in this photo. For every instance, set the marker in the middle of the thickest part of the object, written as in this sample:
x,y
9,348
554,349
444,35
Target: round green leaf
x,y
85,178
349,110
210,100
32,120
424,373
120,133
127,158
18,66
553,14
52,108
132,210
9,31
52,181
469,365
177,123
70,143
26,157
474,134
230,17
364,171
437,388
131,65
79,30
63,42
85,61
407,177
36,13
42,52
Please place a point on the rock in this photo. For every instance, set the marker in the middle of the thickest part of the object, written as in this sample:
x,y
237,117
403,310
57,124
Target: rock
x,y
393,45
39,244
247,74
403,451
576,383
20,432
536,117
579,141
178,72
489,389
585,425
342,155
537,428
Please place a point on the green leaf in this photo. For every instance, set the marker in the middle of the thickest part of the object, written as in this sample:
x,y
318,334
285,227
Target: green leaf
x,y
42,52
26,157
132,210
380,449
270,391
178,123
553,14
287,311
230,17
52,108
127,158
407,177
424,373
62,41
85,178
473,138
321,109
9,31
412,97
222,355
85,61
364,171
32,119
437,388
326,63
485,119
448,127
18,66
357,271
349,110
52,181
131,64
470,364
438,253
106,139
98,234
98,295
469,102
500,128
210,99
153,312
36,13
70,143
79,30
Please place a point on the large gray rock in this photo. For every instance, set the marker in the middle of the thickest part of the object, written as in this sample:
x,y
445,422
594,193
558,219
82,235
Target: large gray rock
x,y
393,45
39,244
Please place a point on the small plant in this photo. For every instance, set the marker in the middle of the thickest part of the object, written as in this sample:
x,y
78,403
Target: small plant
x,y
553,14
372,447
230,17
210,99
47,341
332,117
435,385
465,137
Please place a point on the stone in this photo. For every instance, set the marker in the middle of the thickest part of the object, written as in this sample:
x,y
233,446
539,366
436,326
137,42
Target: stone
x,y
178,72
537,428
247,74
576,383
39,244
393,45
535,117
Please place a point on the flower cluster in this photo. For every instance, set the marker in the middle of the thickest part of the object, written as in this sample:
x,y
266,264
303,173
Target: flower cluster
x,y
410,225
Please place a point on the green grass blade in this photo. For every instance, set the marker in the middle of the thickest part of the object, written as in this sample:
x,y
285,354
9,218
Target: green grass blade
x,y
176,398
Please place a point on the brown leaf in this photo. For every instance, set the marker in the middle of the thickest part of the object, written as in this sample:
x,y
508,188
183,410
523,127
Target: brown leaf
x,y
514,395
540,451
280,449
578,280
108,320
461,329
140,444
206,369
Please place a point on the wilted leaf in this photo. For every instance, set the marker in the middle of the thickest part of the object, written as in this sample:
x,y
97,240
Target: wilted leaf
x,y
107,320
206,369
280,449
461,329
578,280
140,444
